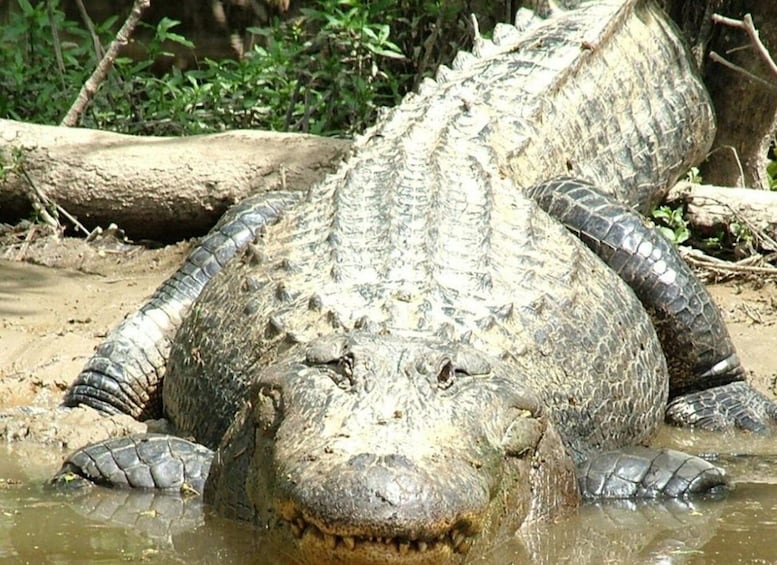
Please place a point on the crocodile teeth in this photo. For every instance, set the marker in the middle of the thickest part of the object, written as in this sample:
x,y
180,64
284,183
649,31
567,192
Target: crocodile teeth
x,y
457,537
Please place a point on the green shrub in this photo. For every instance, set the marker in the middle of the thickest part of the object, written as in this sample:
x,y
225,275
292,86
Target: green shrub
x,y
326,71
33,85
671,223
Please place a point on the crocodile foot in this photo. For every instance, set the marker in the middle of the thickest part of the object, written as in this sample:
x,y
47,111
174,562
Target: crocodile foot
x,y
145,461
733,405
642,472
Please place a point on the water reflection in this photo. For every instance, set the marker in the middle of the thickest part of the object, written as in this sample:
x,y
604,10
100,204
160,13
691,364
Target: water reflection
x,y
98,526
616,532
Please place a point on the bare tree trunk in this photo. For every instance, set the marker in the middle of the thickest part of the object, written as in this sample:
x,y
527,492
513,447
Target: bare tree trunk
x,y
158,188
746,108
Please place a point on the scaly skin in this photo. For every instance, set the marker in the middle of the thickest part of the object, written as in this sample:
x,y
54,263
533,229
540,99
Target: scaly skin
x,y
418,219
125,374
411,362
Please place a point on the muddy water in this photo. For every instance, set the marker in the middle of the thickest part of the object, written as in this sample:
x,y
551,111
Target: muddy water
x,y
40,526
739,528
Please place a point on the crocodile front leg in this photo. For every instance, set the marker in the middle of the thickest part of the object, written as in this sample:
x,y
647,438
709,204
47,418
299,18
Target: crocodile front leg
x,y
124,375
145,461
706,388
642,472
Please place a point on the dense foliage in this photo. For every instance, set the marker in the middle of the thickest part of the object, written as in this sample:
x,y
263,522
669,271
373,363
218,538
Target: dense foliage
x,y
325,71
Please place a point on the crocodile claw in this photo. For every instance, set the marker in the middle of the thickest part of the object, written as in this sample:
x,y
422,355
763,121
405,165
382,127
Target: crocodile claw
x,y
733,405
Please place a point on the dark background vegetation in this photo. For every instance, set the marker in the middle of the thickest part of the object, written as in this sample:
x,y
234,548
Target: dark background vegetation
x,y
321,66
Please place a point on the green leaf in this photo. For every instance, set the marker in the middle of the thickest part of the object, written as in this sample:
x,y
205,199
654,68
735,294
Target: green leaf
x,y
386,53
771,172
26,7
179,39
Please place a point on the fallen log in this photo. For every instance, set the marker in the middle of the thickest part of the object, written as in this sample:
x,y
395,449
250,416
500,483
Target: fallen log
x,y
161,188
711,208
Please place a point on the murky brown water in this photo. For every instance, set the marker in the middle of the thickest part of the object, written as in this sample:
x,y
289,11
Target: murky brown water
x,y
40,526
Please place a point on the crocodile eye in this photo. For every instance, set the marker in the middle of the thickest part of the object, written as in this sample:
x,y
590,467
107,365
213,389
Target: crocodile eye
x,y
447,374
341,370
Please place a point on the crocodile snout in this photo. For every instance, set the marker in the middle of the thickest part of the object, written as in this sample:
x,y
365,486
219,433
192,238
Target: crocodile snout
x,y
386,506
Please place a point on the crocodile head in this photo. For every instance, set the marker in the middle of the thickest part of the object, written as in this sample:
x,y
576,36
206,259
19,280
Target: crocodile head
x,y
381,449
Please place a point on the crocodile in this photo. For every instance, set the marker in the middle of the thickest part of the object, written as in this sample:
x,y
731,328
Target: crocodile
x,y
467,328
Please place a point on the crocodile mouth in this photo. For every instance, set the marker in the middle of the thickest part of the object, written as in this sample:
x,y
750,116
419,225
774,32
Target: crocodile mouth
x,y
456,540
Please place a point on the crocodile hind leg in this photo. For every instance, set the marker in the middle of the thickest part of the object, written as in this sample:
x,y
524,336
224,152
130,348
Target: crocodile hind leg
x,y
125,373
642,472
707,387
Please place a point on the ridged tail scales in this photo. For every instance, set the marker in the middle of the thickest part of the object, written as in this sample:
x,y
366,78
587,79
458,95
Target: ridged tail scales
x,y
125,374
705,372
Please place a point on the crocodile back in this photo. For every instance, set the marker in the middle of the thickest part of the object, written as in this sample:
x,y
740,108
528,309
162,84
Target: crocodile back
x,y
425,231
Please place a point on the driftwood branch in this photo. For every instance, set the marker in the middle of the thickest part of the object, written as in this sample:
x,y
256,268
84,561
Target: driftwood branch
x,y
746,24
160,188
709,205
106,63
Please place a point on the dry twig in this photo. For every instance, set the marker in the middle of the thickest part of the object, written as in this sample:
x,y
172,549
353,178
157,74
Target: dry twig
x,y
101,71
746,24
42,204
57,44
718,269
